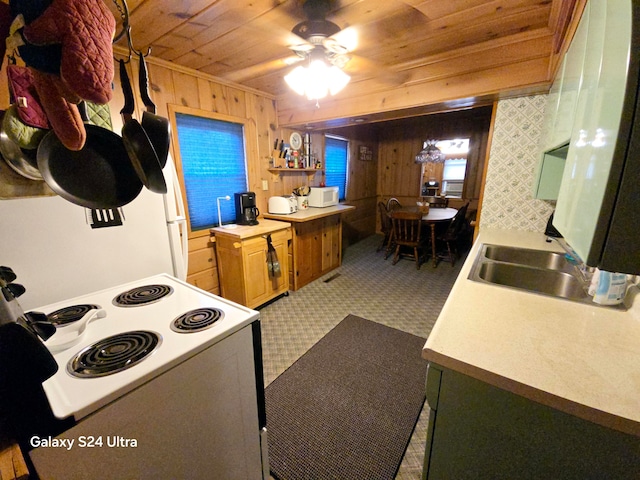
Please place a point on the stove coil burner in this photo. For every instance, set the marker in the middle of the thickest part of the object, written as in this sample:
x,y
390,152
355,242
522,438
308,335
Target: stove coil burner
x,y
71,314
142,295
197,320
113,354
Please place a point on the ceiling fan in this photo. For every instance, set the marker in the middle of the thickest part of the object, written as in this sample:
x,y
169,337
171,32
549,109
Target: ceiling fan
x,y
321,37
317,38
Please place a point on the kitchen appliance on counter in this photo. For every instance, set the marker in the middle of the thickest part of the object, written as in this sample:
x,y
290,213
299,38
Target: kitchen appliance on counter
x,y
51,246
323,196
168,384
246,210
283,205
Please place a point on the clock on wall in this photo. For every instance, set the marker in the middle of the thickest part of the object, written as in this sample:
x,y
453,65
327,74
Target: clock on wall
x,y
295,140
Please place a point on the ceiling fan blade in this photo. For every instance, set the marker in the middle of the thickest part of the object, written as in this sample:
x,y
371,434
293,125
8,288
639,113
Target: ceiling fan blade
x,y
364,67
262,69
347,38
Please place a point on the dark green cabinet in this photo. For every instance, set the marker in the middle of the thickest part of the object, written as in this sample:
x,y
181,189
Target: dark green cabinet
x,y
478,431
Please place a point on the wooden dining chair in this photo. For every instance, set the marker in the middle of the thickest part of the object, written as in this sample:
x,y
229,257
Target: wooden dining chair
x,y
437,202
385,226
452,235
393,204
406,235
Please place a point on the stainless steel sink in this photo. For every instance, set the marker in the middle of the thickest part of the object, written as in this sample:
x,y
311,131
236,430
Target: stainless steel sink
x,y
526,256
539,280
536,271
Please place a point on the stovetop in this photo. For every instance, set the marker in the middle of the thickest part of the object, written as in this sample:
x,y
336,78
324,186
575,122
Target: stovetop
x,y
79,396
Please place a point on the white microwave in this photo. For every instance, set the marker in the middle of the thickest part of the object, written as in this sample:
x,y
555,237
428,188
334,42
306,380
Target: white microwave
x,y
323,196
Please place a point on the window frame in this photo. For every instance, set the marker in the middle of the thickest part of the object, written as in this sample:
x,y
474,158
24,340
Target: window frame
x,y
348,161
180,109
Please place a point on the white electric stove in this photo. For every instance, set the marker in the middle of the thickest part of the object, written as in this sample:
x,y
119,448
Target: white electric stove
x,y
167,366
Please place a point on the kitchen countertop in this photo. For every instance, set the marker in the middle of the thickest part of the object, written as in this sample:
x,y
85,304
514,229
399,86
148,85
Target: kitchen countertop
x,y
312,213
264,227
578,358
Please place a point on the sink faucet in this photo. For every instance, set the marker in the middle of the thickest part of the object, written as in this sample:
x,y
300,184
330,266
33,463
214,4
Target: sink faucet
x,y
584,270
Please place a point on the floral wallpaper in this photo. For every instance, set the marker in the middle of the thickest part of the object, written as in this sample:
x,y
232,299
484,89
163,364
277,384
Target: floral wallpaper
x,y
508,196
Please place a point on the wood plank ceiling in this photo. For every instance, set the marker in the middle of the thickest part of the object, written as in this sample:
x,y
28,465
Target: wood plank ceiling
x,y
469,51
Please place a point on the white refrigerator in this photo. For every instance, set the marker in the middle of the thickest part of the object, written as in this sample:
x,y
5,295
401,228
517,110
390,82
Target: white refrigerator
x,y
56,255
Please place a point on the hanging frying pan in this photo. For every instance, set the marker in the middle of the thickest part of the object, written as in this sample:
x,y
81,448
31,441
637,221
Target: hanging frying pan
x,y
100,175
136,141
158,128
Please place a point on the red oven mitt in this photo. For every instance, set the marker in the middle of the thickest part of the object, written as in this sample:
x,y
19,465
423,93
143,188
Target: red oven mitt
x,y
85,28
63,115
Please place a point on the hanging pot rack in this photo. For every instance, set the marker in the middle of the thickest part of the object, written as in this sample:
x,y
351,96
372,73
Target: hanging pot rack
x,y
123,9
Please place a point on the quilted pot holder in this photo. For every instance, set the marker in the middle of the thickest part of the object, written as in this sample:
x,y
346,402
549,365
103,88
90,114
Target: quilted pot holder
x,y
25,97
23,135
99,115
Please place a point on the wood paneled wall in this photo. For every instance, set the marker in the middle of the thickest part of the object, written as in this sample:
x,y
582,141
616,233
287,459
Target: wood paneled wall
x,y
394,172
401,140
362,183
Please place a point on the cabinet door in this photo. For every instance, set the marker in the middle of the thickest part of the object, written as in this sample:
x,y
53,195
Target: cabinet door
x,y
331,243
280,284
307,250
254,253
261,287
478,431
571,81
586,175
551,108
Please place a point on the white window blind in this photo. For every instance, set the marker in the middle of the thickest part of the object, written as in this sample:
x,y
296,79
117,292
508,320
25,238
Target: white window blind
x,y
213,165
336,159
454,169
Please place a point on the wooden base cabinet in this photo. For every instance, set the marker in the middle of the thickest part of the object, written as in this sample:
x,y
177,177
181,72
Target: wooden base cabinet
x,y
317,247
203,271
242,263
479,431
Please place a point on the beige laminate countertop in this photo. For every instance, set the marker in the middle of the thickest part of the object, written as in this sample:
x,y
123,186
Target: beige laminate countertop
x,y
264,227
311,213
578,358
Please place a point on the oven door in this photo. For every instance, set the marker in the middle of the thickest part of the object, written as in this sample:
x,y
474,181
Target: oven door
x,y
197,418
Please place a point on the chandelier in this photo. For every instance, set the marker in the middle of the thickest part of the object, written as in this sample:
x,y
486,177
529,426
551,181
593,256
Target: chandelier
x,y
430,153
317,79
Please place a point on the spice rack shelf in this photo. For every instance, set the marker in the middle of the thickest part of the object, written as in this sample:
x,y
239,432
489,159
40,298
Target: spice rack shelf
x,y
294,170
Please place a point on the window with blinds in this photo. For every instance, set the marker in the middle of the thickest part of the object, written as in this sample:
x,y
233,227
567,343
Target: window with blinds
x,y
213,165
336,162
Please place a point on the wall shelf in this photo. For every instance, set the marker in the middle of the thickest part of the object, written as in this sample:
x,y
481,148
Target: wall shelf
x,y
295,170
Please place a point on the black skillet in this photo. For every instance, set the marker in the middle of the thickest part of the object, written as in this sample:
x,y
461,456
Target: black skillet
x,y
100,175
158,128
136,141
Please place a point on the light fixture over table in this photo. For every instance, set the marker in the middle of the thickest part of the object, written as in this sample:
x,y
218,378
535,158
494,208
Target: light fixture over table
x,y
430,153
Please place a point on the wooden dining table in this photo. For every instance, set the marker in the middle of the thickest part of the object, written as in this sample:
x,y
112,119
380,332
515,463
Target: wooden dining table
x,y
432,218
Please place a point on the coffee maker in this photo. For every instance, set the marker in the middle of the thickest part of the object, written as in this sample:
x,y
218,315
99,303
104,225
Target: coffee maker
x,y
246,210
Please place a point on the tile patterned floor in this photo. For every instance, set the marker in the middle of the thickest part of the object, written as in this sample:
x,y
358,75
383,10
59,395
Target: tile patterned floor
x,y
368,286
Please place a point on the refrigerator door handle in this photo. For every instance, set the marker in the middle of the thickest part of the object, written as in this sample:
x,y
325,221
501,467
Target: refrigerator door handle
x,y
177,224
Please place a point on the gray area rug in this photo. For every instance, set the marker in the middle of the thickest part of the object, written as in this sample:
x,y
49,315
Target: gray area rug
x,y
346,409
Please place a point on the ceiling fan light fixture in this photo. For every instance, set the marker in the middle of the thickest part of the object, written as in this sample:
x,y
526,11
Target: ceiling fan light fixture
x,y
337,80
296,79
317,80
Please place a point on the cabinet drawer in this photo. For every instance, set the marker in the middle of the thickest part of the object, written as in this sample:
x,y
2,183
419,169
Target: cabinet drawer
x,y
207,280
201,260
